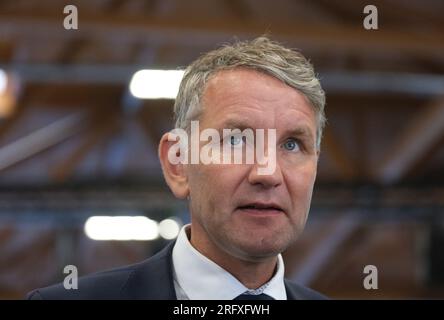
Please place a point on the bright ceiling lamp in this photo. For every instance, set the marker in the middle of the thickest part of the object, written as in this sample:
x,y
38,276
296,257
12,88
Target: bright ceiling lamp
x,y
3,81
156,84
8,94
121,228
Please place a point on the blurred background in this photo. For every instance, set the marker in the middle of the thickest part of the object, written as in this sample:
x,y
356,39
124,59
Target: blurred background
x,y
77,146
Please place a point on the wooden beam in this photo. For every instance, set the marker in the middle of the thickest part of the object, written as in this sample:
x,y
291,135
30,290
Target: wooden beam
x,y
412,143
40,140
6,124
100,129
113,5
343,227
69,52
413,12
101,76
337,153
78,95
6,50
153,120
421,167
361,142
339,12
204,31
238,8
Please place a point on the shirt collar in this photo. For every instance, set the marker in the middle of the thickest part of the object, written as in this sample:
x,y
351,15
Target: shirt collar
x,y
202,279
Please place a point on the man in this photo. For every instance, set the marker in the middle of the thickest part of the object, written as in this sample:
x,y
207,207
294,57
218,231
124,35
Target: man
x,y
241,218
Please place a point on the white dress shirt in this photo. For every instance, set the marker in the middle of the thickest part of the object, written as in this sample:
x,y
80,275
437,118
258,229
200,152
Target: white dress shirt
x,y
198,278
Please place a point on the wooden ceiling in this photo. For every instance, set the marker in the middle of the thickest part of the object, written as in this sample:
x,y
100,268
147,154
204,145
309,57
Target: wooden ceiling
x,y
71,119
384,87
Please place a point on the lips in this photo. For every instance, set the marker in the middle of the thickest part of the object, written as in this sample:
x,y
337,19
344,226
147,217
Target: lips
x,y
261,208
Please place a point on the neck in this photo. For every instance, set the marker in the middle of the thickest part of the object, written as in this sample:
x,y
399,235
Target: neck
x,y
251,273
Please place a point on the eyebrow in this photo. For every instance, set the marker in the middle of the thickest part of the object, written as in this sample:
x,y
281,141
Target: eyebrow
x,y
299,131
303,131
236,124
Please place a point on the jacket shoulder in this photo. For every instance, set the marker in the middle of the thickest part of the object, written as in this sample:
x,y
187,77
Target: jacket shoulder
x,y
128,282
102,285
298,292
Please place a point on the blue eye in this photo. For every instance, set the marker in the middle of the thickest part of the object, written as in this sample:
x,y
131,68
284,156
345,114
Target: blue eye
x,y
291,145
235,140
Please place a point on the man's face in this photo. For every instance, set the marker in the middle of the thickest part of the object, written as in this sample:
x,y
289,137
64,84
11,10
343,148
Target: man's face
x,y
235,210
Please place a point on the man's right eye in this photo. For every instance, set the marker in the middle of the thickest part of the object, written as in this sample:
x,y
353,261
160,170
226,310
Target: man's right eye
x,y
235,140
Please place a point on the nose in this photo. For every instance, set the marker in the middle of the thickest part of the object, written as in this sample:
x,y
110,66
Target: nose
x,y
267,181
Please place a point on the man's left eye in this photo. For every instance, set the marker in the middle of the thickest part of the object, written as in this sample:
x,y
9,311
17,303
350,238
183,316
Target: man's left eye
x,y
291,145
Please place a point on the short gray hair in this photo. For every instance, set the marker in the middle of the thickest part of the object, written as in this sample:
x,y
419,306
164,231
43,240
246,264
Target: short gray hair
x,y
260,54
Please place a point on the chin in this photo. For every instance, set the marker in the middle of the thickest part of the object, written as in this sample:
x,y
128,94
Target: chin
x,y
257,252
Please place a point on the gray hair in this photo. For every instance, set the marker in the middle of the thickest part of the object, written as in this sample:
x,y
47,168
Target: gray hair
x,y
260,54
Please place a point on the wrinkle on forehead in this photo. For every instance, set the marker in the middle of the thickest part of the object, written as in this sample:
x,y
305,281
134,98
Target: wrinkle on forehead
x,y
247,96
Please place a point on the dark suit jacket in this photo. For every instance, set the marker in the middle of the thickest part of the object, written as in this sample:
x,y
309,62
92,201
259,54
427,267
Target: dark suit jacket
x,y
151,279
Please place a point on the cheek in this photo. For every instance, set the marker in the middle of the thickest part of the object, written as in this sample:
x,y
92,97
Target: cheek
x,y
301,185
210,184
225,177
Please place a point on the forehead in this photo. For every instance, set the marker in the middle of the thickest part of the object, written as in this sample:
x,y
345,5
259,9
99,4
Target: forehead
x,y
249,96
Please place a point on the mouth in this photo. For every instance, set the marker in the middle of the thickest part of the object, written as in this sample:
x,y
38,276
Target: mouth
x,y
261,209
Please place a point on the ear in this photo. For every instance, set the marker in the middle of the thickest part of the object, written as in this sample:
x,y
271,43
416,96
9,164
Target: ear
x,y
174,173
